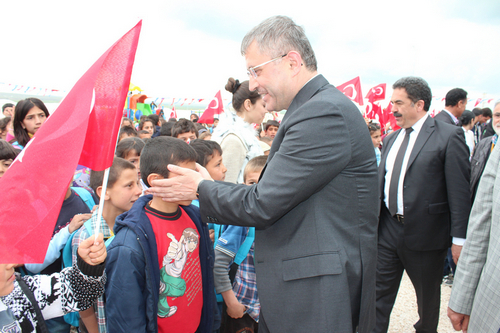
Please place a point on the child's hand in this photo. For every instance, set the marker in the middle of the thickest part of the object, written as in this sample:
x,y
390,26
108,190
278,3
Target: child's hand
x,y
236,310
78,221
211,233
93,250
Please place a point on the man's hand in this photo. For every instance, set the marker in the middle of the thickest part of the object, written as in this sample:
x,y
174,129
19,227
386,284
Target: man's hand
x,y
458,320
181,186
455,252
78,221
93,250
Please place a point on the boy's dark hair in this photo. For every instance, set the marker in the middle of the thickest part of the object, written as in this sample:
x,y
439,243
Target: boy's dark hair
x,y
119,164
127,130
255,164
7,152
3,123
184,126
205,150
161,151
166,129
271,123
155,118
373,127
143,132
127,145
7,105
172,120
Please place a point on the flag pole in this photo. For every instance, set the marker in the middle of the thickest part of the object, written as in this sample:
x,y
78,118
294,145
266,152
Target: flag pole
x,y
103,193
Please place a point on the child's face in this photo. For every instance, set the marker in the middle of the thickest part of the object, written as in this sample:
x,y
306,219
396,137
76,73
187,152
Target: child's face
x,y
271,131
149,126
34,120
125,191
187,137
7,279
4,165
188,165
134,158
252,177
216,168
376,138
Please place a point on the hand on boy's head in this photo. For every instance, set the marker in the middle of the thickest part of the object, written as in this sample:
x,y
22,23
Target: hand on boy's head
x,y
77,221
181,187
93,250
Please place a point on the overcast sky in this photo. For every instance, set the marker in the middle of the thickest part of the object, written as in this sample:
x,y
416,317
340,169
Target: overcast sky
x,y
188,49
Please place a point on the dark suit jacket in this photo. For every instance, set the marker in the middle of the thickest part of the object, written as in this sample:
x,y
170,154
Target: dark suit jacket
x,y
315,209
436,186
444,116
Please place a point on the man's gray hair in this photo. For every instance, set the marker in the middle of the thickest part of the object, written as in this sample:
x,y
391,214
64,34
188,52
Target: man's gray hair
x,y
496,103
279,35
416,89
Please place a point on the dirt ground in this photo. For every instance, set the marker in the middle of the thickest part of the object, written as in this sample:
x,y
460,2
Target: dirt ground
x,y
404,314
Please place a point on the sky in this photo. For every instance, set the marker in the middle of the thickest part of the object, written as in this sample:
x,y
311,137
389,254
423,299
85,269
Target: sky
x,y
188,49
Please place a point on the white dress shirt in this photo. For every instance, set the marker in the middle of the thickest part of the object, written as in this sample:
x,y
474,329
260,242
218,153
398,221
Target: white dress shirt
x,y
391,159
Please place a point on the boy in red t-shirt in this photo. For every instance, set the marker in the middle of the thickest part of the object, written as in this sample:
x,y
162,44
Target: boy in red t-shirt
x,y
160,264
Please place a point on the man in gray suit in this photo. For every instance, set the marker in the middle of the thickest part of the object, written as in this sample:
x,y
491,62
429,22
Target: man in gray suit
x,y
475,302
316,205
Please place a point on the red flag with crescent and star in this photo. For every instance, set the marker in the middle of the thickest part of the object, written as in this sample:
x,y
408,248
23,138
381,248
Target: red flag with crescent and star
x,y
352,89
82,130
374,110
215,107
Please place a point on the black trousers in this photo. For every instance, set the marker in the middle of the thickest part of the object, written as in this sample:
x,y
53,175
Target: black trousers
x,y
425,269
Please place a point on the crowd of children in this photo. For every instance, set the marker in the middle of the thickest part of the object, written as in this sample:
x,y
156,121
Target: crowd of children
x,y
160,256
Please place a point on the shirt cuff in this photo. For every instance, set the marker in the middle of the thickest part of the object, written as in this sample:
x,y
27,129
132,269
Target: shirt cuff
x,y
458,241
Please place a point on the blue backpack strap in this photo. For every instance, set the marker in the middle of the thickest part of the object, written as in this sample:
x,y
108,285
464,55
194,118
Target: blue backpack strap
x,y
85,196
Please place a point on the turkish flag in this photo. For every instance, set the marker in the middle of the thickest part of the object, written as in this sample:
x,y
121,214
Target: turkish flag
x,y
215,107
82,130
376,93
173,114
352,89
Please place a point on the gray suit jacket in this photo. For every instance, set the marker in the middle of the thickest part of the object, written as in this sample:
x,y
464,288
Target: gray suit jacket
x,y
444,116
315,209
475,288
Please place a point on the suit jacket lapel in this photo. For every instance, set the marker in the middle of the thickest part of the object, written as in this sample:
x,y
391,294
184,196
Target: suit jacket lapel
x,y
423,136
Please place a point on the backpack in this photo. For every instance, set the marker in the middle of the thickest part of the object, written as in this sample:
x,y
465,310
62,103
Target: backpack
x,y
240,255
73,318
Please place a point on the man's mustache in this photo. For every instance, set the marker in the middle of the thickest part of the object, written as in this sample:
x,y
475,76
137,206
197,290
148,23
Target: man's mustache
x,y
397,114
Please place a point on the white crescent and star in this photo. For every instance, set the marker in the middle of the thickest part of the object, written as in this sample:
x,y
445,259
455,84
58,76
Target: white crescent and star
x,y
354,93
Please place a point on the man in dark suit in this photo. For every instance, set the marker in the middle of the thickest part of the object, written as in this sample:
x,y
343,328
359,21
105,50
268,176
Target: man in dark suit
x,y
316,205
424,186
455,102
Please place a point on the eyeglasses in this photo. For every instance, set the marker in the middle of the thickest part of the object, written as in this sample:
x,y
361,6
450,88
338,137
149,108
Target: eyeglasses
x,y
251,70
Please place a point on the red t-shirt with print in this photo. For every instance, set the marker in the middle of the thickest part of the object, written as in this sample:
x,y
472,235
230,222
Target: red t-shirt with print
x,y
181,290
